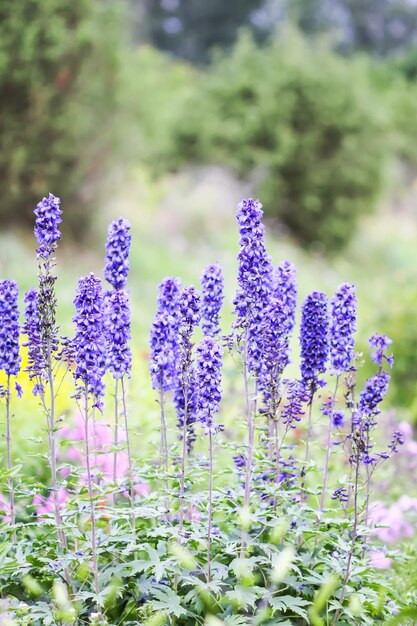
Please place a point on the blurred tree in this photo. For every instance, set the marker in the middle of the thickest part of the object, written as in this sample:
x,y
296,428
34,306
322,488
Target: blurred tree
x,y
309,126
191,28
380,27
59,62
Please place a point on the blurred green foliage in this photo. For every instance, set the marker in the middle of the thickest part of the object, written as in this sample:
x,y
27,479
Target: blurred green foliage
x,y
59,73
400,324
156,91
191,30
379,27
312,130
311,127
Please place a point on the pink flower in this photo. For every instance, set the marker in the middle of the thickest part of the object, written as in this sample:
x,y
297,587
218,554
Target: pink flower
x,y
141,489
101,441
45,506
406,429
377,512
405,503
411,447
4,509
193,514
390,523
378,559
74,454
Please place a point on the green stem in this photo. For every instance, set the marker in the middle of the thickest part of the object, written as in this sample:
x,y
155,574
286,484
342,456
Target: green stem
x,y
210,509
91,498
115,434
183,459
9,459
52,443
326,466
129,460
249,456
307,451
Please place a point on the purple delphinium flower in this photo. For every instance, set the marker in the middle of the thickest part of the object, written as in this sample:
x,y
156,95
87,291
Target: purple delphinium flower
x,y
380,343
36,367
288,474
212,291
67,351
285,291
209,363
164,336
48,218
168,296
272,351
254,278
255,269
184,397
343,328
240,462
364,420
117,253
338,419
9,328
397,440
185,400
372,395
376,387
341,494
314,339
190,309
277,324
117,328
162,353
293,411
90,342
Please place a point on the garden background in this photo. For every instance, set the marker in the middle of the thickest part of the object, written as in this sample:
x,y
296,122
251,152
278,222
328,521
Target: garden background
x,y
169,112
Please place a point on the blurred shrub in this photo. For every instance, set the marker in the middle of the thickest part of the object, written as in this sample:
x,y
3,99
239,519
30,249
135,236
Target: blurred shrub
x,y
309,125
59,73
156,88
400,324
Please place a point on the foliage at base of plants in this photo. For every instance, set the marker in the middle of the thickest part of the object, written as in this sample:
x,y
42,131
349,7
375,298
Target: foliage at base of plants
x,y
289,560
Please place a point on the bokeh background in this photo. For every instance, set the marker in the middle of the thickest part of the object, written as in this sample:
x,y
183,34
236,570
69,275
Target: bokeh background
x,y
169,112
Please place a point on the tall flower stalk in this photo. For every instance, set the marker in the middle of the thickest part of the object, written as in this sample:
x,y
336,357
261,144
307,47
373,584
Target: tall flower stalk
x,y
42,333
185,391
117,321
212,296
164,352
342,348
10,364
363,422
90,355
375,389
278,324
119,364
314,340
251,301
209,362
